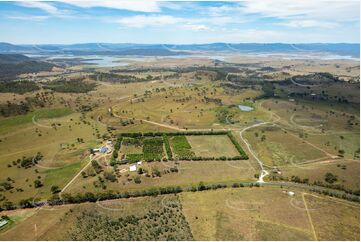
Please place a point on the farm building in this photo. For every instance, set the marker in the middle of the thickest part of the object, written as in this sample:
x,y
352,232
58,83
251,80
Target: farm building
x,y
133,168
291,194
104,149
3,223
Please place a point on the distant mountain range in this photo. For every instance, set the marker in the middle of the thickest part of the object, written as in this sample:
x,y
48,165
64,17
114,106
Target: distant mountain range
x,y
342,49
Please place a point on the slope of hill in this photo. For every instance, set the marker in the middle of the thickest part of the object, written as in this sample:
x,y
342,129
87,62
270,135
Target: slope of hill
x,y
12,65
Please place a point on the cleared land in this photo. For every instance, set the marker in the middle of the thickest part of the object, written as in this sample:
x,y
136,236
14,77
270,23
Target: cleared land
x,y
135,219
189,173
264,214
225,214
277,147
212,146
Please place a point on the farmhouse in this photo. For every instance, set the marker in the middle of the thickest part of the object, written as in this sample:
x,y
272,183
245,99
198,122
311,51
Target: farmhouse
x,y
3,223
133,168
291,194
104,150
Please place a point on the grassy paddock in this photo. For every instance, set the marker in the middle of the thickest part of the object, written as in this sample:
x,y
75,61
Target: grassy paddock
x,y
265,214
212,146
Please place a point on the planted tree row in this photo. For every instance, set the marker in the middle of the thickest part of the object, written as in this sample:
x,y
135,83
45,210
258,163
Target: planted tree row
x,y
155,134
243,154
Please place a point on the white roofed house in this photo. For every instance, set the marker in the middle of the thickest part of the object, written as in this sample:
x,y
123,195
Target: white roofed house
x,y
133,168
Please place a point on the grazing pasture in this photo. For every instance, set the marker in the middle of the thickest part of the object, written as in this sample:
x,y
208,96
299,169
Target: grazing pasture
x,y
212,146
267,214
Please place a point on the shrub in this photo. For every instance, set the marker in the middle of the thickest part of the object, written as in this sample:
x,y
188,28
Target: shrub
x,y
96,166
137,180
37,184
330,178
55,189
110,176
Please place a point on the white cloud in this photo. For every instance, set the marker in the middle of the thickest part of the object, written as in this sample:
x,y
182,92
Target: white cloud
x,y
140,6
29,17
47,6
309,24
312,9
144,21
196,27
141,21
41,5
299,14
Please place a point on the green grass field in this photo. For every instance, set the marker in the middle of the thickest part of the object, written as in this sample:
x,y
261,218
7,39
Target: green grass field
x,y
9,124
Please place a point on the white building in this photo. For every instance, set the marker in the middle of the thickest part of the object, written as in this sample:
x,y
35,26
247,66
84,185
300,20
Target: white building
x,y
3,223
133,168
291,194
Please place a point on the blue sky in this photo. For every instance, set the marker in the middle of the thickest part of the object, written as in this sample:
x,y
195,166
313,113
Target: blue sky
x,y
179,22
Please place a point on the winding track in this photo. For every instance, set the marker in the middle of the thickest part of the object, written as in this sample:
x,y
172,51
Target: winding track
x,y
303,85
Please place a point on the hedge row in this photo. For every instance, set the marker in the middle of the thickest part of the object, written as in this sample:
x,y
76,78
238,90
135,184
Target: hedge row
x,y
90,197
337,195
242,156
154,134
200,158
117,147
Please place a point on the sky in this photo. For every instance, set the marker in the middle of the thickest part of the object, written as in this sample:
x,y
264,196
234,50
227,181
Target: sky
x,y
179,22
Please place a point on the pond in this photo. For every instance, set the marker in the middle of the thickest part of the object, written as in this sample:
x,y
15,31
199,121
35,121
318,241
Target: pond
x,y
245,108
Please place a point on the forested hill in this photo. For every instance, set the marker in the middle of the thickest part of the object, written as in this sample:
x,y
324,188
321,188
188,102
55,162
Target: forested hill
x,y
12,65
13,58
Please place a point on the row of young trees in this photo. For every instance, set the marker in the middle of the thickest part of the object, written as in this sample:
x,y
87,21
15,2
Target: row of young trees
x,y
154,134
329,183
242,154
91,197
